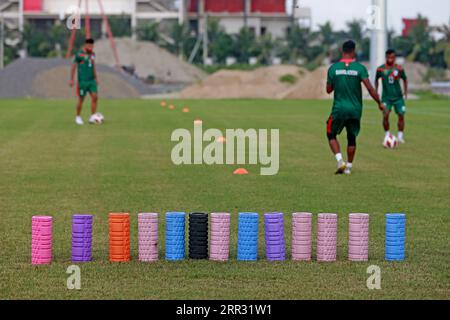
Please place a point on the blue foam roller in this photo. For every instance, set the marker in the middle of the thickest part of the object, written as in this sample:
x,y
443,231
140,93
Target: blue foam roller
x,y
395,237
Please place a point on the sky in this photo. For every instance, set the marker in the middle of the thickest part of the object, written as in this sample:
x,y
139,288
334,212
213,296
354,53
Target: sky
x,y
338,12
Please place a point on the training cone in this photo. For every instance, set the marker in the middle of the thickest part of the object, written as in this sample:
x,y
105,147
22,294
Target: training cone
x,y
198,121
185,110
119,237
41,239
148,236
222,140
163,104
240,171
171,107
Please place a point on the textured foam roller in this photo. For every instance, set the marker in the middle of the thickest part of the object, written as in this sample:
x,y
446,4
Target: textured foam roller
x,y
119,237
358,242
175,235
274,236
148,237
301,236
247,249
82,237
198,235
41,239
395,237
326,237
220,237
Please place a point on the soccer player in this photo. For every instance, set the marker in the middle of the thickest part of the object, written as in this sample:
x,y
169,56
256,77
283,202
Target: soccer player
x,y
390,74
344,78
84,63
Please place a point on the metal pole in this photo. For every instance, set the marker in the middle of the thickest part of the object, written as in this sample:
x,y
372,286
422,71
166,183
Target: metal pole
x,y
2,41
378,43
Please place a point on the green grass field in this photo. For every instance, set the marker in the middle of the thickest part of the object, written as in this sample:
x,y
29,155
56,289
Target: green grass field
x,y
51,166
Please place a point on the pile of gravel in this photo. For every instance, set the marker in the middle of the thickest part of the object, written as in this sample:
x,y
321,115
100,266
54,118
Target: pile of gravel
x,y
49,78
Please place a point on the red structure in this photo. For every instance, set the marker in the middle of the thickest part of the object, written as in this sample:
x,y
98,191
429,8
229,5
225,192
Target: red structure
x,y
408,24
32,5
237,6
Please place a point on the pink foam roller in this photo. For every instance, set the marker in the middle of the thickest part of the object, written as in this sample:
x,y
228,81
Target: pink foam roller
x,y
358,243
219,249
148,237
301,236
327,237
41,239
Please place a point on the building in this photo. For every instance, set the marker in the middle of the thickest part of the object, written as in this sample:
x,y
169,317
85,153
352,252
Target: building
x,y
261,16
41,13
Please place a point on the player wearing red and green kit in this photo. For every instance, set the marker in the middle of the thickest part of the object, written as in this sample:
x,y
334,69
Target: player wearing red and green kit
x,y
84,64
390,75
345,78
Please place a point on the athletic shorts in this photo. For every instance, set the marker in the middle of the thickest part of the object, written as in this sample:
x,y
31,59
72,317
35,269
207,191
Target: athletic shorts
x,y
337,122
85,87
398,105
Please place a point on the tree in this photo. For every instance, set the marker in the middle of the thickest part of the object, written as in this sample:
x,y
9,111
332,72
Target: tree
x,y
245,45
220,43
120,26
148,32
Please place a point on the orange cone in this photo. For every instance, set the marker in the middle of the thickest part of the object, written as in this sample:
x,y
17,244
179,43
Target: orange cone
x,y
185,110
163,104
171,107
222,140
119,237
198,121
240,171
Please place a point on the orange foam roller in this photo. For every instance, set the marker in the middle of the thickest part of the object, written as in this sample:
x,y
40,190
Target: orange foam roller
x,y
119,237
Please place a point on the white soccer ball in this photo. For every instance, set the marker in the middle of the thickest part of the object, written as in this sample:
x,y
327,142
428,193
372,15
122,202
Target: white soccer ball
x,y
390,142
98,118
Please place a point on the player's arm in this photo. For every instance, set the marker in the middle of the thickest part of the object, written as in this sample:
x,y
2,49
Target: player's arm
x,y
373,93
330,81
330,88
405,87
95,72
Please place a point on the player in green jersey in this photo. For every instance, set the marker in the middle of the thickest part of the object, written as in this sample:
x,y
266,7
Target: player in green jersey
x,y
391,74
344,78
84,64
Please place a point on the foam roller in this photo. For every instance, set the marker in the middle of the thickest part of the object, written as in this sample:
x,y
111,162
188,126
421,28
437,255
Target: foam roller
x,y
119,237
148,237
41,239
198,236
175,235
82,237
327,237
247,249
358,237
395,237
301,236
220,237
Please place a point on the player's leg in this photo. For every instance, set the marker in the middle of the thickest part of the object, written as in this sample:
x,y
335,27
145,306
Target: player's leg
x,y
94,99
386,114
400,109
353,127
79,106
334,127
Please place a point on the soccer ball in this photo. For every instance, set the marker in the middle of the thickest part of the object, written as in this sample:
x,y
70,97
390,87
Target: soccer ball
x,y
97,118
390,142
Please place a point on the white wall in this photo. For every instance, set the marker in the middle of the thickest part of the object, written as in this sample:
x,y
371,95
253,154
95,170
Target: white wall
x,y
110,6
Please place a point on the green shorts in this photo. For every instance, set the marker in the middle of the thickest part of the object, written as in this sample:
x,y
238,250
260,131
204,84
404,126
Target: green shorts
x,y
85,87
337,122
398,105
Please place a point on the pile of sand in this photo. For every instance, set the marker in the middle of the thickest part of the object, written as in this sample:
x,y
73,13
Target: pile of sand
x,y
148,60
49,78
261,83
